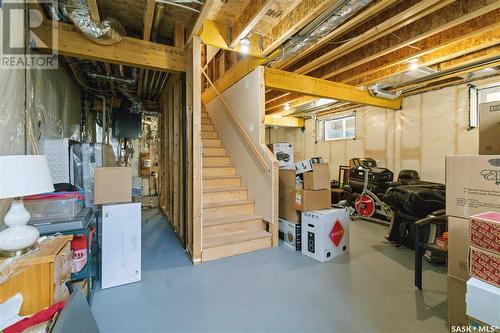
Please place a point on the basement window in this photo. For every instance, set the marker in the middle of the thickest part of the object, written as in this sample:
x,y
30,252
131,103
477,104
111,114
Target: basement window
x,y
340,129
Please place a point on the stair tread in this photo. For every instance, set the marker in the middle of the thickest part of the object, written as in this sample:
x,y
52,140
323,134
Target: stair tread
x,y
221,177
218,166
224,189
205,156
230,219
227,203
234,238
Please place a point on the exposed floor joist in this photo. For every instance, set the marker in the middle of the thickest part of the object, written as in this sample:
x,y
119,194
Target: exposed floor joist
x,y
457,29
306,85
130,51
407,37
306,11
475,41
349,24
248,19
398,21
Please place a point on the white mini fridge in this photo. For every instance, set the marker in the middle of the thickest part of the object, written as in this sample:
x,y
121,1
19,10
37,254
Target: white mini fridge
x,y
121,244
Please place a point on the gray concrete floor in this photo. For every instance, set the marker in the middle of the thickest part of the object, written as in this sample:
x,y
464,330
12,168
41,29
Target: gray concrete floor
x,y
275,290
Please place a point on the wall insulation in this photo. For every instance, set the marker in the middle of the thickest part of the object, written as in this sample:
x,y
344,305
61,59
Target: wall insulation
x,y
429,127
52,104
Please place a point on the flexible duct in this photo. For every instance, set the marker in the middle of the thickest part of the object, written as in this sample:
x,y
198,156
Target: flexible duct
x,y
376,91
300,42
106,32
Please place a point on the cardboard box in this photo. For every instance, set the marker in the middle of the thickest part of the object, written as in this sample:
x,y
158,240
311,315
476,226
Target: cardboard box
x,y
287,188
284,154
458,247
306,165
483,302
485,231
456,303
113,185
484,265
307,200
472,184
291,234
318,178
325,233
489,127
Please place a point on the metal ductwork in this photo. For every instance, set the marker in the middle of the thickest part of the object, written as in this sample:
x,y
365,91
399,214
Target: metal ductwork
x,y
106,32
311,35
120,80
376,91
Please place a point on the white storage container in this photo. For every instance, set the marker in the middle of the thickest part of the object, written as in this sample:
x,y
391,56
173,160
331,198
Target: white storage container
x,y
325,233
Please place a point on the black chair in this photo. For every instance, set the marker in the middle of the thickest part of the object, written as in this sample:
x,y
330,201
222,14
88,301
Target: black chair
x,y
437,218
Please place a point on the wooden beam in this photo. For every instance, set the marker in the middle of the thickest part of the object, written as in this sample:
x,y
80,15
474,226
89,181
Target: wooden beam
x,y
346,26
297,101
413,36
179,35
306,85
398,21
198,25
214,34
94,10
467,31
149,14
407,38
130,51
482,55
251,15
473,42
283,121
305,12
236,73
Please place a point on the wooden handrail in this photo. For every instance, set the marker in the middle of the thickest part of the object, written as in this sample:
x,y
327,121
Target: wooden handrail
x,y
239,126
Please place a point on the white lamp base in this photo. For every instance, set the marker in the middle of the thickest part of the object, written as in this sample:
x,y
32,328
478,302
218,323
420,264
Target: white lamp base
x,y
18,235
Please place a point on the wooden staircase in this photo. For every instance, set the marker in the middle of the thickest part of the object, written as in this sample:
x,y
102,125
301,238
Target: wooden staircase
x,y
230,225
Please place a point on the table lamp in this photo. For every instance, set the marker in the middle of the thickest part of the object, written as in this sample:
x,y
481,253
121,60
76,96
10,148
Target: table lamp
x,y
21,175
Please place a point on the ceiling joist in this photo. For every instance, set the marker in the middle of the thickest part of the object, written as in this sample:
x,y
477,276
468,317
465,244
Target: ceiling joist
x,y
305,12
398,21
346,26
248,19
284,121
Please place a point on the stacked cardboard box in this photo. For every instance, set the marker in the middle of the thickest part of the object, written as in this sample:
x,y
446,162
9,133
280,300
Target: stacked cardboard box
x,y
483,287
472,187
316,193
301,192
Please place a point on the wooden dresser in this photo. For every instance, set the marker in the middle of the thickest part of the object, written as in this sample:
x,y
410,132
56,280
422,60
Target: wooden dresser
x,y
40,276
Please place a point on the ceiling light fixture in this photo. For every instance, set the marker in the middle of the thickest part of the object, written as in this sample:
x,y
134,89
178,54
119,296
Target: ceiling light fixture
x,y
287,107
413,64
244,43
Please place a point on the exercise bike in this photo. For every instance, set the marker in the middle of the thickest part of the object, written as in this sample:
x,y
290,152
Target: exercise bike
x,y
369,206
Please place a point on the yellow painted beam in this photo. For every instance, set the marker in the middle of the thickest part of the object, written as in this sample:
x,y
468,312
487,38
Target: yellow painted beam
x,y
130,51
306,85
215,34
236,73
284,121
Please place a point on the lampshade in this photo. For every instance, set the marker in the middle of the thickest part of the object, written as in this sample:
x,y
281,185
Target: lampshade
x,y
22,175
